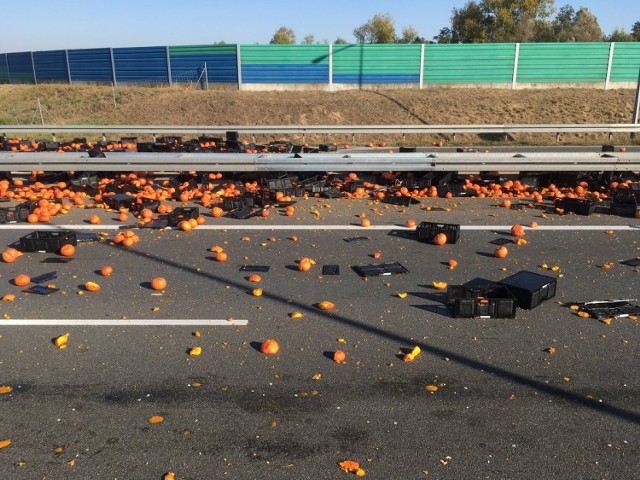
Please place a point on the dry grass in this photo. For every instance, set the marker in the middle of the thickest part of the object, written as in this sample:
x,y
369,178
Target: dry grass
x,y
179,106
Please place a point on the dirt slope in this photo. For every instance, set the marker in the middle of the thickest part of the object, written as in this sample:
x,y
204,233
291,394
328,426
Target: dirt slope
x,y
184,106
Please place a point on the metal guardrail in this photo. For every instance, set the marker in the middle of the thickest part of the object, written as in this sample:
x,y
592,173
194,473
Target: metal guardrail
x,y
154,130
336,162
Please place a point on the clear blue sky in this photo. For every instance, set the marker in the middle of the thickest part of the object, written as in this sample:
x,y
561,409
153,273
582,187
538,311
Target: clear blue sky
x,y
61,24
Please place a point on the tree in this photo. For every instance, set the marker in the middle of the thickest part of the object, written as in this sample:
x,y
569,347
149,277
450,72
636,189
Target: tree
x,y
619,35
284,36
380,29
410,35
340,41
586,27
635,31
496,21
309,39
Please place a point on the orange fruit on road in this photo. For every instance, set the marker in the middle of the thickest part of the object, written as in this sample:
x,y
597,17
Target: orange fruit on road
x,y
410,223
94,219
222,257
158,283
517,230
326,305
22,280
339,356
501,252
452,263
304,265
68,250
10,255
106,271
365,222
270,347
440,239
255,278
92,286
217,212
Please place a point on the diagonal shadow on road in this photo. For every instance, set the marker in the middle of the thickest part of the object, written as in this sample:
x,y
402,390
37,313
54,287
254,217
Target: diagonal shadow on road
x,y
488,369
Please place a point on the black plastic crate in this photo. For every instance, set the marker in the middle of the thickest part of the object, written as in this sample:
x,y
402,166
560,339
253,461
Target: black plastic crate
x,y
481,301
179,214
47,240
579,206
328,148
400,200
624,202
530,289
426,231
279,184
408,149
118,201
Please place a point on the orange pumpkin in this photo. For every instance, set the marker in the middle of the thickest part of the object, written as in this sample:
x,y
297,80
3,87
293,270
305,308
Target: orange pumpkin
x,y
410,223
222,257
501,252
365,222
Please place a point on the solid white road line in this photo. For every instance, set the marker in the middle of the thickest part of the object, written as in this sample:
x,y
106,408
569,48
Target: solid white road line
x,y
387,227
124,323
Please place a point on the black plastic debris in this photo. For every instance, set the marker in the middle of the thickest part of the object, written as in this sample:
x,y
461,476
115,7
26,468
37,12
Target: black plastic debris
x,y
400,200
243,213
331,270
41,290
633,262
375,270
601,309
255,268
56,260
45,277
355,239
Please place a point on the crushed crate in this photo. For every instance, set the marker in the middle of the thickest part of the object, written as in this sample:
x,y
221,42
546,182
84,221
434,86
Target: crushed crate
x,y
579,206
481,301
19,213
602,309
375,270
47,240
530,289
426,231
276,184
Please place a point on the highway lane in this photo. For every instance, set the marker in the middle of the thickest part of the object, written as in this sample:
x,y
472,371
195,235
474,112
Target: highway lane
x,y
504,408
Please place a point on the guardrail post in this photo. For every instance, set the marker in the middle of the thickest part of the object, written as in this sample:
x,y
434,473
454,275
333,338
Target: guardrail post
x,y
53,137
557,137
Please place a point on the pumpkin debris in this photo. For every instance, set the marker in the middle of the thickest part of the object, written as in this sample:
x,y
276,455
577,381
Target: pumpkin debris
x,y
5,389
155,419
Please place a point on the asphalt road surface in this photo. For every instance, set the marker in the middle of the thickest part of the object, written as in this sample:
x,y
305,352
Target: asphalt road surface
x,y
499,405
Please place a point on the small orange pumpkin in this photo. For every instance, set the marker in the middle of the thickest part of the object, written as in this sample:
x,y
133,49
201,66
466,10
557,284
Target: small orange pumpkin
x,y
68,250
22,280
501,252
517,230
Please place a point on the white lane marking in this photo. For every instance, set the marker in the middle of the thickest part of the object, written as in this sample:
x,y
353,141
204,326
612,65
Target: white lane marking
x,y
315,227
124,323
